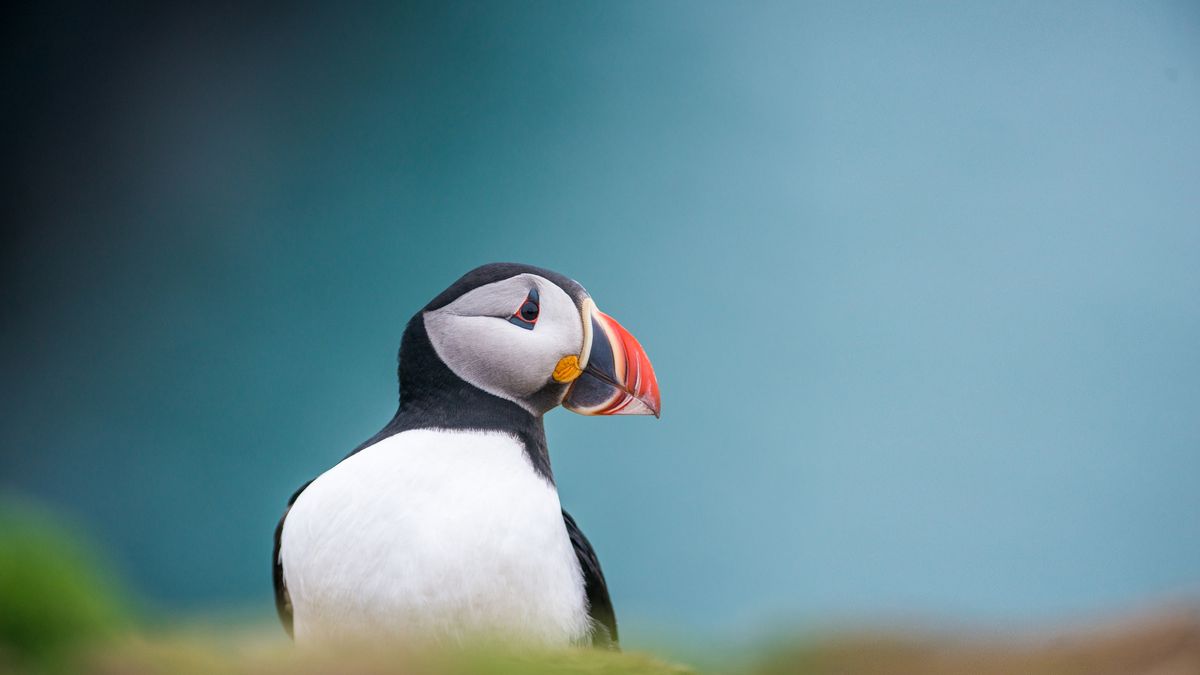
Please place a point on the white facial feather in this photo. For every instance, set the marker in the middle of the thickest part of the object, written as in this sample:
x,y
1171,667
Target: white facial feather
x,y
473,336
433,535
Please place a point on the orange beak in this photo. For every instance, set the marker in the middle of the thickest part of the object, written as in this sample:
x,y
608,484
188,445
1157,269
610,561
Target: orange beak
x,y
617,378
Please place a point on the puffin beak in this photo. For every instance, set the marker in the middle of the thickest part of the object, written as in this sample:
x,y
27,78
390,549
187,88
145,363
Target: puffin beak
x,y
613,375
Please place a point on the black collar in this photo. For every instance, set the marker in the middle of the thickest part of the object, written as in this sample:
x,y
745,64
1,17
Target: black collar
x,y
433,397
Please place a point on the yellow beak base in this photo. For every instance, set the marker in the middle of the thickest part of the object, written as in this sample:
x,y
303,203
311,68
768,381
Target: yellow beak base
x,y
567,369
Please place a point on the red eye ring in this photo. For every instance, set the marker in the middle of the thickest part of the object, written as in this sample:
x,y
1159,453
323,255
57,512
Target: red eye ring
x,y
527,313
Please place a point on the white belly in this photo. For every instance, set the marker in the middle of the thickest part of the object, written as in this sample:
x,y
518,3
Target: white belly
x,y
433,534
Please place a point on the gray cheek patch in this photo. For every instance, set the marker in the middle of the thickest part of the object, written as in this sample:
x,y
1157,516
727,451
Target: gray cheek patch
x,y
475,339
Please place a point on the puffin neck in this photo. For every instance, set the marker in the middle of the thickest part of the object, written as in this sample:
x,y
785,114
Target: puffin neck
x,y
433,397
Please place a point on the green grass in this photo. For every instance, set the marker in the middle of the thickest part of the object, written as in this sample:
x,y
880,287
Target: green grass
x,y
55,597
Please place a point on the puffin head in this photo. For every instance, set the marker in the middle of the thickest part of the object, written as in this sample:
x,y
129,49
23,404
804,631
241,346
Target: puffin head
x,y
535,338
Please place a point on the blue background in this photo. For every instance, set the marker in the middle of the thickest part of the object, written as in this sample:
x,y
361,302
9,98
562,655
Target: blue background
x,y
920,283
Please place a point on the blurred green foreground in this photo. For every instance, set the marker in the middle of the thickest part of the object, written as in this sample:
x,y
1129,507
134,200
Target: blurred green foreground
x,y
60,612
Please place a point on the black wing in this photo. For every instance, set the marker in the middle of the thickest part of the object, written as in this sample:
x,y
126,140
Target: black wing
x,y
283,601
604,620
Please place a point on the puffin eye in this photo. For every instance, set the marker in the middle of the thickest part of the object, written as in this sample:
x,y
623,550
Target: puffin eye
x,y
527,314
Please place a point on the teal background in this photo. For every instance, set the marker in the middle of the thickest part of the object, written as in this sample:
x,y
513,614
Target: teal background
x,y
920,283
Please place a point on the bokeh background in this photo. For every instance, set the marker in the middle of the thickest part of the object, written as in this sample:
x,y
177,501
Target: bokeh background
x,y
921,283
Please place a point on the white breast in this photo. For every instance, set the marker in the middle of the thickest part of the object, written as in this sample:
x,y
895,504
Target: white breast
x,y
433,534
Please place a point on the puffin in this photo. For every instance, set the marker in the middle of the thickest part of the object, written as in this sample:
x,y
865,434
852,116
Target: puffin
x,y
447,524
